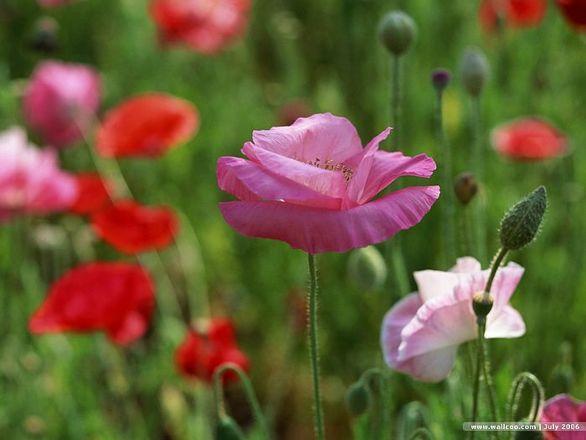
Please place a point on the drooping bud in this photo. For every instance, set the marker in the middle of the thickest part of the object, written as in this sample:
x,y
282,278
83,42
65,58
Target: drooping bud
x,y
474,71
465,187
397,31
228,429
521,223
357,398
440,78
367,269
482,304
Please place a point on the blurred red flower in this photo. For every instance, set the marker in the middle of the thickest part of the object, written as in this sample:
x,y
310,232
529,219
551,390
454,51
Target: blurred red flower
x,y
514,13
563,409
132,228
116,298
146,126
201,353
60,101
575,12
92,194
205,26
529,139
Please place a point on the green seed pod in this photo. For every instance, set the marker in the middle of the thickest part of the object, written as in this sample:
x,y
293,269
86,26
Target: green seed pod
x,y
521,223
397,31
482,305
465,187
474,71
357,398
228,429
367,269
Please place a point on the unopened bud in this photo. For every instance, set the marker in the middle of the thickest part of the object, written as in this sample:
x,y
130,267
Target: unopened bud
x,y
521,223
228,429
44,38
367,269
440,78
465,187
474,70
357,398
397,31
482,304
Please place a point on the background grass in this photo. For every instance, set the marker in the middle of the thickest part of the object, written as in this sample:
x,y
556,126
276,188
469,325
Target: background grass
x,y
326,53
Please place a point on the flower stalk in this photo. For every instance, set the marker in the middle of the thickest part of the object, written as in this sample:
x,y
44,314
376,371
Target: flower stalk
x,y
314,348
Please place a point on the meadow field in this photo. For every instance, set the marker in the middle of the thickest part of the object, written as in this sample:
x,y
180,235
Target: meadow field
x,y
88,377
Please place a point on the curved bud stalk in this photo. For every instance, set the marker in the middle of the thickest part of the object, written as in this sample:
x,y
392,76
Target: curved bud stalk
x,y
225,423
412,419
537,396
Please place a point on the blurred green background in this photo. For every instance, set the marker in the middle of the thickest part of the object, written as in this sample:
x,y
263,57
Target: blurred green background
x,y
325,53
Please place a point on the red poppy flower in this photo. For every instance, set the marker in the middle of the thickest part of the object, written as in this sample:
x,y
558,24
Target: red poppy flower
x,y
515,13
116,298
205,26
132,228
575,13
92,194
528,139
146,126
200,354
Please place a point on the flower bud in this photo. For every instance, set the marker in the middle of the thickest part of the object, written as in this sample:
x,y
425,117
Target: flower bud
x,y
482,304
357,398
474,70
465,187
440,78
44,38
367,269
228,429
521,223
397,31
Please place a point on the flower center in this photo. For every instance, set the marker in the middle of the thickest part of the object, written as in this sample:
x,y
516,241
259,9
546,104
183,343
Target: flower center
x,y
330,165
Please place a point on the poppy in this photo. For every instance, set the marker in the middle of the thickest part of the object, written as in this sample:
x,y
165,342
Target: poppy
x,y
205,26
514,13
30,179
312,185
421,333
146,126
566,410
575,13
116,298
201,353
132,228
61,100
93,194
529,139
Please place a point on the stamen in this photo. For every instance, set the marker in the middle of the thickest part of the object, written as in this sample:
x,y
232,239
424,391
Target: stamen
x,y
330,165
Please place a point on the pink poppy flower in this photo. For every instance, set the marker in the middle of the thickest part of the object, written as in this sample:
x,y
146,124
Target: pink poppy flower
x,y
563,408
60,101
529,139
421,333
30,180
205,26
312,186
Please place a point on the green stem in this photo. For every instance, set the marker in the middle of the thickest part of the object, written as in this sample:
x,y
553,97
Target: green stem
x,y
248,390
494,268
476,386
314,348
448,211
488,379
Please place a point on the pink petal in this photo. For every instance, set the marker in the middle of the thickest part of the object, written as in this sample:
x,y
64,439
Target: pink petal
x,y
327,182
564,408
250,182
317,230
393,323
435,283
505,322
466,265
323,136
433,366
378,169
505,282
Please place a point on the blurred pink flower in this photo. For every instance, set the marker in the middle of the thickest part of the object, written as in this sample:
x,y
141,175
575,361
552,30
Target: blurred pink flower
x,y
205,26
30,180
54,3
563,408
311,185
421,333
60,101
